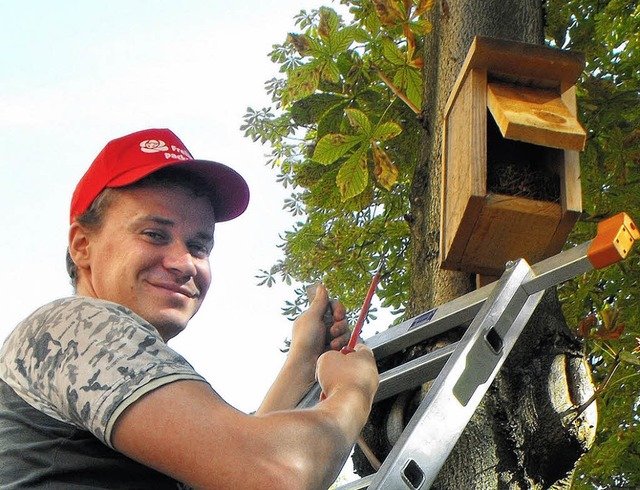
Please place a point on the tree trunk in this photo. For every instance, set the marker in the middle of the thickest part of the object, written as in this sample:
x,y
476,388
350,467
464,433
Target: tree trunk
x,y
524,434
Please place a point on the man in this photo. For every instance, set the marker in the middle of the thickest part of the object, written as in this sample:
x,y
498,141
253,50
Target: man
x,y
91,396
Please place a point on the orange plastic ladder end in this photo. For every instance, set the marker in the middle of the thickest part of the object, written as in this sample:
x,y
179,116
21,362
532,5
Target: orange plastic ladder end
x,y
613,241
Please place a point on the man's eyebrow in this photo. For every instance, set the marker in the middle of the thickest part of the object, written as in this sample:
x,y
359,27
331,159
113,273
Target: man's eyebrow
x,y
160,220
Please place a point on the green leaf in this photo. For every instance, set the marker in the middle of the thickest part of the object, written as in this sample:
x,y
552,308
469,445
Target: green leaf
x,y
372,22
409,80
353,176
629,358
359,120
331,147
331,120
386,131
414,86
361,35
341,40
303,81
421,27
392,53
330,72
329,22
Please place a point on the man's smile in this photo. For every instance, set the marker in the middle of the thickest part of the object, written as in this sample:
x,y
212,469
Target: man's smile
x,y
190,292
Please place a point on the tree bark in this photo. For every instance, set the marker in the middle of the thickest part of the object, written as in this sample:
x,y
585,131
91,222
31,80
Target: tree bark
x,y
524,434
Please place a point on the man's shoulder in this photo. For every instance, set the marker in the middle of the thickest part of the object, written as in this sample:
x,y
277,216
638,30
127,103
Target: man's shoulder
x,y
73,320
78,359
80,309
82,304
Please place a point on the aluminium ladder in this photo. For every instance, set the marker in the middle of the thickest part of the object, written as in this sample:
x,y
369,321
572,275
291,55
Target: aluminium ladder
x,y
464,370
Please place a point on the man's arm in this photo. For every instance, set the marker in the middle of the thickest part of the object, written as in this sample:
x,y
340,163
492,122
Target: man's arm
x,y
187,431
297,375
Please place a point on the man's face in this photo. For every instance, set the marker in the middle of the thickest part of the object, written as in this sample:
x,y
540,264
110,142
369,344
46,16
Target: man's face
x,y
152,255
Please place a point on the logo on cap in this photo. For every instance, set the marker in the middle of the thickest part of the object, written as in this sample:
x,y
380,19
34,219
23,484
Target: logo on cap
x,y
153,146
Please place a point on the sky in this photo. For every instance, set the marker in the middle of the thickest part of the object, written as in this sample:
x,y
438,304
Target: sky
x,y
76,74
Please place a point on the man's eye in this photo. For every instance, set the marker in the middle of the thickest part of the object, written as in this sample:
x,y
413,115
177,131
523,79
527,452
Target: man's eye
x,y
199,250
154,235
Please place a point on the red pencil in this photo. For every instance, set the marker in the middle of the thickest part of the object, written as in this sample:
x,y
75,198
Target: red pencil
x,y
353,340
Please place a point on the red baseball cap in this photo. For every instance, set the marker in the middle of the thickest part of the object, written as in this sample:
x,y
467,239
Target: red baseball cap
x,y
126,160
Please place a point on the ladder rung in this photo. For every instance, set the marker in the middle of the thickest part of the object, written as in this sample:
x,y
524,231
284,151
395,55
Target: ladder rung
x,y
413,373
400,378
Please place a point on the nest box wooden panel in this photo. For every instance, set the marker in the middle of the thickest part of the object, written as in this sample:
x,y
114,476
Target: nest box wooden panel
x,y
511,177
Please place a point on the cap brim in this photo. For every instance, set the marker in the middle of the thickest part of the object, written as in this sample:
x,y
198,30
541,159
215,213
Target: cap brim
x,y
231,192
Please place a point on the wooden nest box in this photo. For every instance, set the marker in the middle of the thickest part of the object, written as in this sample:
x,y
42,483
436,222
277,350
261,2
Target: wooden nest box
x,y
511,176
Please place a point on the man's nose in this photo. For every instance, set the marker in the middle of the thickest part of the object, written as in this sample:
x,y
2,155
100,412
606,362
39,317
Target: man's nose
x,y
180,261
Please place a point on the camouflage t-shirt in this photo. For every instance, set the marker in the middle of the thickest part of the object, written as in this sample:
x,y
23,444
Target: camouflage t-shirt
x,y
79,362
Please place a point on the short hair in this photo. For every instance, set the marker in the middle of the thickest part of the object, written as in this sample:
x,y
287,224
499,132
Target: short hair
x,y
93,217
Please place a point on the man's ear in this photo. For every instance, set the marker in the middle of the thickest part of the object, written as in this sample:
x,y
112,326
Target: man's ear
x,y
79,239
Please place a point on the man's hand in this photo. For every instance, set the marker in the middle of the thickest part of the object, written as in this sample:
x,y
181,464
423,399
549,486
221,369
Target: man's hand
x,y
311,337
355,372
353,376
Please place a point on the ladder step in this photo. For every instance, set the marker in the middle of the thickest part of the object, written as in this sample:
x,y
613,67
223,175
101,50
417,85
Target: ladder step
x,y
409,375
413,373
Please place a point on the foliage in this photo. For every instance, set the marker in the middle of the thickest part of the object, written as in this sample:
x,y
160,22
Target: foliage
x,y
604,305
344,133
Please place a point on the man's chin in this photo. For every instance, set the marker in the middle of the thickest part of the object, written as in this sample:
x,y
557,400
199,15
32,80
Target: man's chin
x,y
169,325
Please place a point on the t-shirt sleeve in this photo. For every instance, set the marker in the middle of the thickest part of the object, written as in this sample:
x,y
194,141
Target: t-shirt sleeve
x,y
84,361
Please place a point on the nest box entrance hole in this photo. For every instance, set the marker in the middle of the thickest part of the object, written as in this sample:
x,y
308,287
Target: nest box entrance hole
x,y
520,169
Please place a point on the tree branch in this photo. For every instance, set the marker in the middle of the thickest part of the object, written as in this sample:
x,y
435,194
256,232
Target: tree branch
x,y
396,90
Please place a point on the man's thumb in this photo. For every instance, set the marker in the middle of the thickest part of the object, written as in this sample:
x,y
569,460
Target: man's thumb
x,y
318,296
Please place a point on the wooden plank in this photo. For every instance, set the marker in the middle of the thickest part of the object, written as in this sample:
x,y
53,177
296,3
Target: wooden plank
x,y
568,94
482,280
464,164
559,238
567,165
571,185
509,228
530,64
458,238
535,116
533,61
570,200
